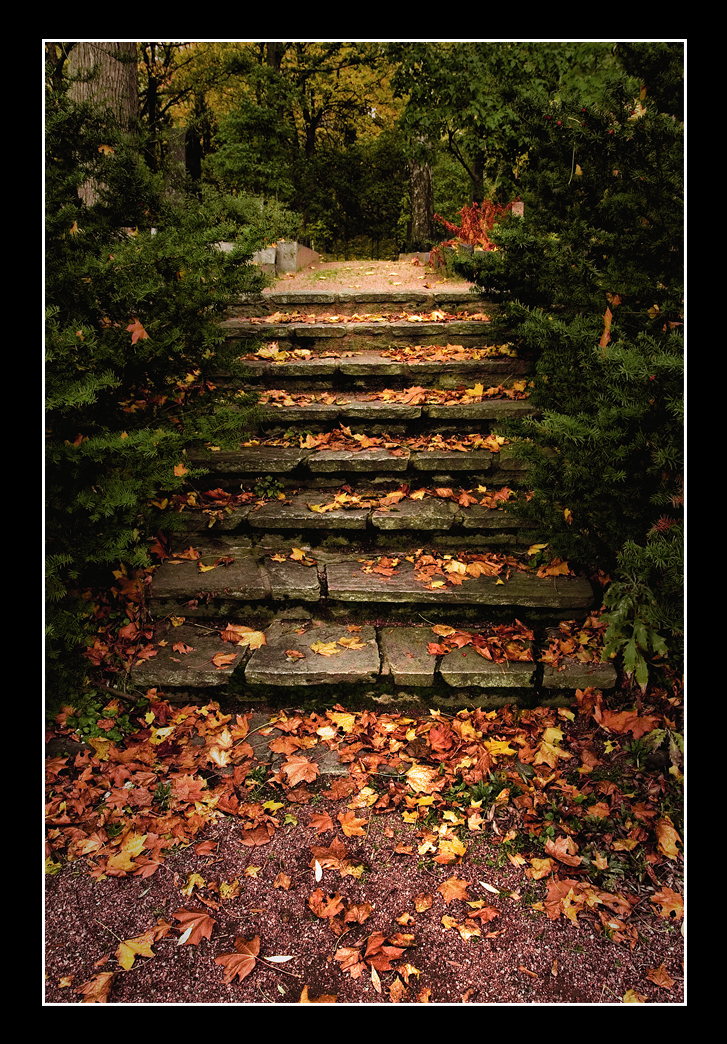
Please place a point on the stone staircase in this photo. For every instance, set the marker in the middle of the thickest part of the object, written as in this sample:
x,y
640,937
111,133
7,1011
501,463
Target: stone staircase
x,y
361,530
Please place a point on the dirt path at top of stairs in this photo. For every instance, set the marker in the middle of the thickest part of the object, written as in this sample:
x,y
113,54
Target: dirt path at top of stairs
x,y
345,276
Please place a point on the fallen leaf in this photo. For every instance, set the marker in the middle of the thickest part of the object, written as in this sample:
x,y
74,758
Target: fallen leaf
x,y
96,990
324,998
325,648
299,769
667,838
661,977
351,826
454,888
242,962
131,948
198,926
671,902
321,822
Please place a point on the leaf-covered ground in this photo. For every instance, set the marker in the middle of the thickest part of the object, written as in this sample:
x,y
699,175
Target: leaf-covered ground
x,y
508,856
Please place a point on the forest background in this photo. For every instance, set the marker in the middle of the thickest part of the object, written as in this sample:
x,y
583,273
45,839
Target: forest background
x,y
366,149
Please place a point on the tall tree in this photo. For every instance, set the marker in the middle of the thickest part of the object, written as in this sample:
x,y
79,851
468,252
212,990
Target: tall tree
x,y
293,102
458,99
105,74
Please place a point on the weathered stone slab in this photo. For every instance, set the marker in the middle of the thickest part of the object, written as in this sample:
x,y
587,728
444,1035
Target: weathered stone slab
x,y
297,414
463,667
377,460
348,583
478,517
485,370
292,581
271,664
253,460
445,461
416,514
175,667
372,364
580,676
405,655
377,411
319,331
491,409
572,674
306,297
296,514
241,579
311,369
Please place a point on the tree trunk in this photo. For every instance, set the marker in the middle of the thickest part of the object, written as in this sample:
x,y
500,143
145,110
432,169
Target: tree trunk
x,y
422,205
113,86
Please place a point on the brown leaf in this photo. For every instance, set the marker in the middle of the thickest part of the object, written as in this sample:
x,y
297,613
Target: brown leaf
x,y
242,962
321,822
197,924
260,835
661,977
564,849
96,990
325,905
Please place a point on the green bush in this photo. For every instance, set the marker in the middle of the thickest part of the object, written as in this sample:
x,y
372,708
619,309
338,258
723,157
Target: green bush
x,y
135,289
592,286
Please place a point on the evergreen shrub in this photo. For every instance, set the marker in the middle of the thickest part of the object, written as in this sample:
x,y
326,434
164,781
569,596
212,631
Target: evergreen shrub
x,y
591,282
135,290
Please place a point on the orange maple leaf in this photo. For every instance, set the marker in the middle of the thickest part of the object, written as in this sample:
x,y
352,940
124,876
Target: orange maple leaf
x,y
669,901
242,962
351,826
325,905
198,926
299,769
96,990
259,835
321,822
454,888
563,849
137,331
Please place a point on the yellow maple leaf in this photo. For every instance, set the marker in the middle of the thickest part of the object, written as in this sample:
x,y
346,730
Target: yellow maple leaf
x,y
451,849
248,636
325,648
352,643
497,748
344,720
421,778
131,948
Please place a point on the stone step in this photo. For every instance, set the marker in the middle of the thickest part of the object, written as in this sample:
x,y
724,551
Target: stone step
x,y
444,368
324,517
359,302
326,467
226,576
394,663
278,408
356,336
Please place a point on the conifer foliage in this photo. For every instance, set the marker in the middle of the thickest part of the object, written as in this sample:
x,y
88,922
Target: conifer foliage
x,y
135,288
593,284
